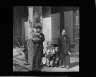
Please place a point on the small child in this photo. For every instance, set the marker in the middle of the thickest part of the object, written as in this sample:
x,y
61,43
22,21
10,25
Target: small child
x,y
49,54
57,61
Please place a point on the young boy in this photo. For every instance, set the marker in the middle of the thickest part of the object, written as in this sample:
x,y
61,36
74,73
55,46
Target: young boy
x,y
49,54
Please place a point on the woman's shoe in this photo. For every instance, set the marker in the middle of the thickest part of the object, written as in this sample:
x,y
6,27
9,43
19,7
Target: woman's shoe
x,y
67,67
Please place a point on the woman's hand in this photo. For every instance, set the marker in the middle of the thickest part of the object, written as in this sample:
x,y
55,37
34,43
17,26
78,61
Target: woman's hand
x,y
69,53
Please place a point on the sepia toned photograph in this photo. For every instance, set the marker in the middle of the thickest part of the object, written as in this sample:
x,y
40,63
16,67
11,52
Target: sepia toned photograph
x,y
46,39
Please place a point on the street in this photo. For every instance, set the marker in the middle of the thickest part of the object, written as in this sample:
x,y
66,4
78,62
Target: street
x,y
74,66
18,65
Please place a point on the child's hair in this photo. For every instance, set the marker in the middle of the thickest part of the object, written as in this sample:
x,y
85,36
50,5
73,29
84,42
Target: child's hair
x,y
49,43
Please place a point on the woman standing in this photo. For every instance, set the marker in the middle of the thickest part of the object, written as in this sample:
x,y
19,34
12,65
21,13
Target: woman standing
x,y
64,47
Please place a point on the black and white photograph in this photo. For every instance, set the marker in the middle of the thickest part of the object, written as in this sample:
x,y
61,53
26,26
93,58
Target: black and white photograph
x,y
37,76
46,39
95,4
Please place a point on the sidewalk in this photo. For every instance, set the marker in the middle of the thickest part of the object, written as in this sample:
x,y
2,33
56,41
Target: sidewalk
x,y
18,64
19,60
74,64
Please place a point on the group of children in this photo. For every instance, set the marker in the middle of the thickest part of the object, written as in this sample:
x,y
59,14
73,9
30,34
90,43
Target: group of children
x,y
50,57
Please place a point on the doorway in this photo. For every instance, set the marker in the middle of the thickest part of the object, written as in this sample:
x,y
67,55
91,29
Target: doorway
x,y
68,24
47,30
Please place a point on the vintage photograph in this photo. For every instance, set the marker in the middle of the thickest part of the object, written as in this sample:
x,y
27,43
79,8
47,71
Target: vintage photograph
x,y
46,38
37,76
95,4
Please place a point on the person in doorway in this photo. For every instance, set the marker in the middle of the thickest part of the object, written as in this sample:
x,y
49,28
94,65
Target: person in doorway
x,y
64,46
37,39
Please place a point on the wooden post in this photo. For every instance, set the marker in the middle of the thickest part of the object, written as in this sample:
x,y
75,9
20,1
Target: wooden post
x,y
30,28
31,24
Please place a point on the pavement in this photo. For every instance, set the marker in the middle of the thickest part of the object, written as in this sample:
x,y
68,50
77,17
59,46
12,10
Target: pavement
x,y
18,64
74,67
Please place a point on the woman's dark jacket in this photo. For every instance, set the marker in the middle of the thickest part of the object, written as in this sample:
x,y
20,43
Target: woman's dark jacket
x,y
64,44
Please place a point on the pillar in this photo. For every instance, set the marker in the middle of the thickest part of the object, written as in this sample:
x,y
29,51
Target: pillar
x,y
37,14
29,34
34,19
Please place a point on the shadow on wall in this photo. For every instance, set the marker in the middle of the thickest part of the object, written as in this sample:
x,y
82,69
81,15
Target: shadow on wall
x,y
19,12
46,11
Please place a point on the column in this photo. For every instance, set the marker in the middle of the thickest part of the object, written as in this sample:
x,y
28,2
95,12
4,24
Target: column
x,y
29,36
37,13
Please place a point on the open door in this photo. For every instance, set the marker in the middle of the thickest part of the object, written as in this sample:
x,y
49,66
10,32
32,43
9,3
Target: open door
x,y
51,28
68,23
55,27
47,30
